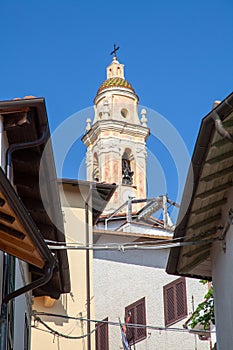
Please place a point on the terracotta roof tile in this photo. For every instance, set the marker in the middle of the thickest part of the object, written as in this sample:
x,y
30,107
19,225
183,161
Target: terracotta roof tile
x,y
115,82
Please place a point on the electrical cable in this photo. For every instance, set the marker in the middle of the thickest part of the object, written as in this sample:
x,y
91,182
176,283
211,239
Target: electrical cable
x,y
151,243
122,247
59,334
100,244
130,325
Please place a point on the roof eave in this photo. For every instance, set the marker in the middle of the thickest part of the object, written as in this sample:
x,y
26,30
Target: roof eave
x,y
199,155
31,131
101,194
15,244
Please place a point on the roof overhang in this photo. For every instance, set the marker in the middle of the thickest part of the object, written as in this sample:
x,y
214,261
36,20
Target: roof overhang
x,y
19,235
101,193
210,183
134,235
25,120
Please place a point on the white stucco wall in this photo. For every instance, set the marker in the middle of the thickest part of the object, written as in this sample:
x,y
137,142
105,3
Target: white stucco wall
x,y
222,263
119,280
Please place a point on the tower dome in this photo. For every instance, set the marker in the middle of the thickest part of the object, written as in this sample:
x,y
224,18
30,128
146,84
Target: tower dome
x,y
113,82
116,98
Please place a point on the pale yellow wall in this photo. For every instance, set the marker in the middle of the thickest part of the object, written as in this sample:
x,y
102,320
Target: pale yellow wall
x,y
74,220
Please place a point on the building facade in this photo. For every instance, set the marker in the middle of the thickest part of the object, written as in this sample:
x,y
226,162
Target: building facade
x,y
208,219
68,322
27,265
130,282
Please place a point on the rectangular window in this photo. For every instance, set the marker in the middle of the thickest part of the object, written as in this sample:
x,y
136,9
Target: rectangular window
x,y
101,335
136,314
175,301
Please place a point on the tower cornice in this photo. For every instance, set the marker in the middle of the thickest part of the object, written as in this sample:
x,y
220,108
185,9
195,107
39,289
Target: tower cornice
x,y
119,127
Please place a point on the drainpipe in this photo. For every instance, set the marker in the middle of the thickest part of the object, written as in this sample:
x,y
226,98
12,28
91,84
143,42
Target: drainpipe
x,y
48,274
220,128
17,146
88,284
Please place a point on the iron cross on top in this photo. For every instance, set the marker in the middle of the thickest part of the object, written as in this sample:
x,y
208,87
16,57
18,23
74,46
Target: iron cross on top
x,y
115,50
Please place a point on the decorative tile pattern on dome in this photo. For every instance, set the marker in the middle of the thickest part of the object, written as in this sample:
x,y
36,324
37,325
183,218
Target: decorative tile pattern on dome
x,y
118,82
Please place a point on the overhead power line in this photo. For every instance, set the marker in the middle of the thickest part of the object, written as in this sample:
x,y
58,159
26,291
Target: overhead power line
x,y
59,334
123,247
112,323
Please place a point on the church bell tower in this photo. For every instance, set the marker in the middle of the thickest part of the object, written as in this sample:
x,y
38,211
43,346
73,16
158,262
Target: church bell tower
x,y
116,140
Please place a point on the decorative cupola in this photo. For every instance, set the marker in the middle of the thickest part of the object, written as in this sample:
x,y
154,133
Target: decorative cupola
x,y
116,141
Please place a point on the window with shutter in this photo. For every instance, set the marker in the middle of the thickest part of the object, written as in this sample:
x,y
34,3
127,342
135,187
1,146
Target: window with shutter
x,y
175,301
137,312
101,335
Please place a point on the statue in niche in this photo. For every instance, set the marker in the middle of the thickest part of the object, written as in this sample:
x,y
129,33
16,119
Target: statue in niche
x,y
127,174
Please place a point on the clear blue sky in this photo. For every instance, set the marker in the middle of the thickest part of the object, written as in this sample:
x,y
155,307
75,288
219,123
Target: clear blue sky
x,y
178,56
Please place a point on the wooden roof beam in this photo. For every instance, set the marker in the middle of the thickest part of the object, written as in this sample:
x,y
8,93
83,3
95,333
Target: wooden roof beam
x,y
194,262
220,157
197,250
207,221
202,235
15,241
11,231
209,206
214,190
217,174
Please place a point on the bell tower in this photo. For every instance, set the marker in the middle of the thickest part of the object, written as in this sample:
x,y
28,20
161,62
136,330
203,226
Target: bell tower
x,y
116,140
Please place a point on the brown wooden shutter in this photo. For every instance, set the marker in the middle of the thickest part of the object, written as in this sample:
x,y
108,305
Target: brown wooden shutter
x,y
169,302
181,302
131,333
175,301
141,319
101,336
138,316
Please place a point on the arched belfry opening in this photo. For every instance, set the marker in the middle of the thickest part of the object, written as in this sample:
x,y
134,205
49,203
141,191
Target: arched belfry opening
x,y
127,167
96,168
